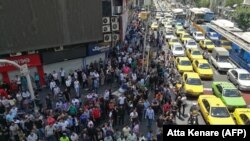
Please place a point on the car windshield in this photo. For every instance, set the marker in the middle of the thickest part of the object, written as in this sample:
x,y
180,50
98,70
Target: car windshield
x,y
181,30
204,66
245,76
194,81
222,59
186,36
169,33
178,48
185,63
209,43
231,93
213,35
196,52
192,43
199,34
219,112
165,20
226,43
174,40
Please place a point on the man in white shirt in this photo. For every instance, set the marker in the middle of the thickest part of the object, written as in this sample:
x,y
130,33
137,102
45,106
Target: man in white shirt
x,y
32,136
121,100
62,73
25,94
133,116
77,87
68,84
55,77
75,102
52,85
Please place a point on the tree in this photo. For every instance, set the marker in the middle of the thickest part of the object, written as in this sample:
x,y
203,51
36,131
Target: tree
x,y
232,2
202,3
242,17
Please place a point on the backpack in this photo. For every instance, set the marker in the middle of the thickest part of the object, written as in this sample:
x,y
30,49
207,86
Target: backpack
x,y
96,113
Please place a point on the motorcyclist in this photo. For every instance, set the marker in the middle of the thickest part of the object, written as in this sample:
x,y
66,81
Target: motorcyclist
x,y
194,111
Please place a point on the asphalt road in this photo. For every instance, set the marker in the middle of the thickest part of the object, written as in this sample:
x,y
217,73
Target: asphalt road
x,y
163,6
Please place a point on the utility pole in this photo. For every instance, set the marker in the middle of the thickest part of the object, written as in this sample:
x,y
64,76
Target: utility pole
x,y
145,38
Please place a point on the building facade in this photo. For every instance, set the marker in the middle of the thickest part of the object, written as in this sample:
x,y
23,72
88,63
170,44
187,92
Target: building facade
x,y
56,32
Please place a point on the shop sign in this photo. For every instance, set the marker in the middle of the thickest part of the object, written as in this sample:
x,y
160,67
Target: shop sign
x,y
31,60
94,49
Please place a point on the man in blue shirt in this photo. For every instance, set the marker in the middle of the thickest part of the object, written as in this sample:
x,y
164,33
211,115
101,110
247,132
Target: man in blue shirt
x,y
150,116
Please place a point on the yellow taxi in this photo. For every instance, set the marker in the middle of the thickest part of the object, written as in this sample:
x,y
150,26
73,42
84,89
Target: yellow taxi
x,y
194,53
242,116
226,44
183,64
154,26
180,31
173,41
214,111
202,67
192,84
185,37
207,44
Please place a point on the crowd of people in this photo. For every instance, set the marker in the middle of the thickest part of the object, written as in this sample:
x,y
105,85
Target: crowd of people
x,y
75,109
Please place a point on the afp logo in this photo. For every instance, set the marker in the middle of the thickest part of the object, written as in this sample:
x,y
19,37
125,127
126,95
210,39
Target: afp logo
x,y
234,133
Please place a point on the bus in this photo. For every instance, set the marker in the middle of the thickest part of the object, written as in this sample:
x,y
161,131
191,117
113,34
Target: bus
x,y
179,16
209,14
196,15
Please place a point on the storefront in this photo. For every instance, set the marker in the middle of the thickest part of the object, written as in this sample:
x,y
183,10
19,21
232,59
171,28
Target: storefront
x,y
96,52
8,71
70,59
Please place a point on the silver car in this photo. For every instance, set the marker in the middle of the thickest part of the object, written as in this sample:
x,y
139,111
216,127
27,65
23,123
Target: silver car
x,y
240,78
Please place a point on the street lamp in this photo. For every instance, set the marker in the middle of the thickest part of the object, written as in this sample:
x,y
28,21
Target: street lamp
x,y
148,50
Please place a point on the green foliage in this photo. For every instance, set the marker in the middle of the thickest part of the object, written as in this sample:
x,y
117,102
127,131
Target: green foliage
x,y
202,3
232,2
242,17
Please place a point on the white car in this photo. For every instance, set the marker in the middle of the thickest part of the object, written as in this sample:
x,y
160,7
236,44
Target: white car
x,y
169,34
168,25
190,44
220,59
240,78
178,50
198,36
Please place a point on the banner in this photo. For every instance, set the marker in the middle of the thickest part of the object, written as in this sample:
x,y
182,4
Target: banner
x,y
31,60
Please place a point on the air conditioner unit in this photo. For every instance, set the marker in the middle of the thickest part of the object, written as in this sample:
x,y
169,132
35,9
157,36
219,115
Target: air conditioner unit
x,y
116,37
32,52
115,26
105,20
114,19
106,28
107,37
16,54
58,49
